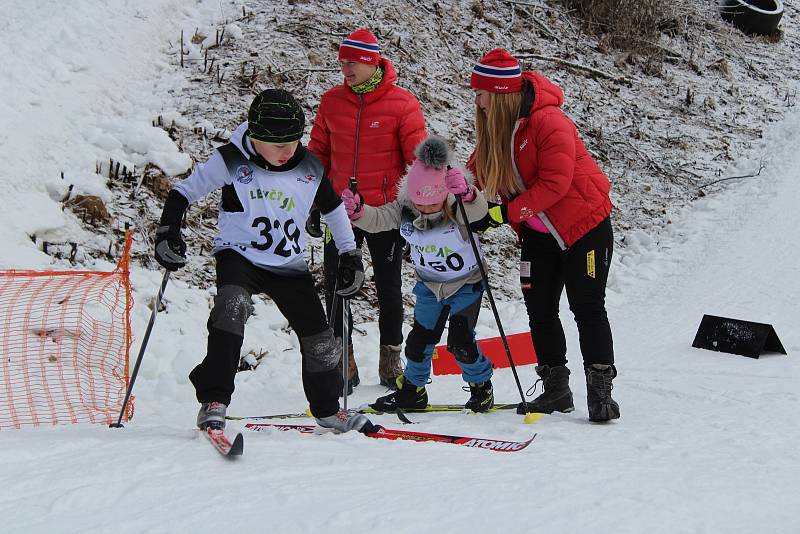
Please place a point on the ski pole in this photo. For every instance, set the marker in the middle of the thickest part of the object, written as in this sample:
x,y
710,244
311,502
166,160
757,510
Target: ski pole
x,y
157,304
529,418
345,351
334,302
345,331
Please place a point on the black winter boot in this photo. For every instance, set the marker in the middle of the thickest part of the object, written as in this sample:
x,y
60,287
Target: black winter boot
x,y
598,392
556,395
407,397
481,398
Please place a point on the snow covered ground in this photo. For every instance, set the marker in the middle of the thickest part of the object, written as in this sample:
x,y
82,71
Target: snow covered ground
x,y
706,442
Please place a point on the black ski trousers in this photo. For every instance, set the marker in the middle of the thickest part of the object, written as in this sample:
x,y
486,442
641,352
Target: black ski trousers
x,y
385,249
545,270
296,298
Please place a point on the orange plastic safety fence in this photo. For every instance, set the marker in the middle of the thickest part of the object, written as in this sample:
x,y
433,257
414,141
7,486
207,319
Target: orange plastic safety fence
x,y
65,339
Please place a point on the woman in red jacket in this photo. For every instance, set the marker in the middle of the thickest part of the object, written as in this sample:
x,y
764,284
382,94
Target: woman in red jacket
x,y
365,132
556,197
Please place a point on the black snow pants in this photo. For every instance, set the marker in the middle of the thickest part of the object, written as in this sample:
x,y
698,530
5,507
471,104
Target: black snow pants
x,y
545,269
296,298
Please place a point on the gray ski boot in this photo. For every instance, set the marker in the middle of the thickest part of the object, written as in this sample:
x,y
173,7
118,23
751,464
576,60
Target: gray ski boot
x,y
343,421
211,415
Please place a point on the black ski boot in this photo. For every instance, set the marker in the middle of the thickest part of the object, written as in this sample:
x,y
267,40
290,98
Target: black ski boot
x,y
556,395
481,398
407,397
598,392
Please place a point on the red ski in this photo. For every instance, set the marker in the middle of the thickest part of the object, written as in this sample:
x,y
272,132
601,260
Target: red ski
x,y
225,446
389,433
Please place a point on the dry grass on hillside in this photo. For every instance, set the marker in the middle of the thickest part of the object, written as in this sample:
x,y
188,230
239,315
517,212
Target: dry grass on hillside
x,y
666,95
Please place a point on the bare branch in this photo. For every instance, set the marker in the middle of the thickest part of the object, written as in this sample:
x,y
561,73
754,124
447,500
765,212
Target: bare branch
x,y
576,66
761,167
304,69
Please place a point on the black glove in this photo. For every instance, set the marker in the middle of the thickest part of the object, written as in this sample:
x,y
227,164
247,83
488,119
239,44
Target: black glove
x,y
496,216
170,248
350,276
313,223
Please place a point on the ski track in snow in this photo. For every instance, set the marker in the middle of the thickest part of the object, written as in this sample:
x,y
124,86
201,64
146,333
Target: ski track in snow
x,y
706,443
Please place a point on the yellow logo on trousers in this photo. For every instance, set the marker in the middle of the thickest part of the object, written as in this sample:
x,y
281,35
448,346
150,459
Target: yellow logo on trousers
x,y
590,264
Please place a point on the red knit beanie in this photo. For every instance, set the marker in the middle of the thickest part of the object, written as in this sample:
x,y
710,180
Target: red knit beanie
x,y
361,46
497,72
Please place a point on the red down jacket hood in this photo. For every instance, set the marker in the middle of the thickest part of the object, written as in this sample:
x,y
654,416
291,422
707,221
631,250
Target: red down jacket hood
x,y
562,182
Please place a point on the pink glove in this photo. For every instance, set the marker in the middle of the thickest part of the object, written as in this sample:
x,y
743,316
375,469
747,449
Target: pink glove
x,y
455,183
353,204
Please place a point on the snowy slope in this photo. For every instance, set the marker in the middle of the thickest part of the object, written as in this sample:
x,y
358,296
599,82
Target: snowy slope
x,y
706,443
79,86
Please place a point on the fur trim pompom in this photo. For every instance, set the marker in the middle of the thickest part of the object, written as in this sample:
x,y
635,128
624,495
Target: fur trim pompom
x,y
433,152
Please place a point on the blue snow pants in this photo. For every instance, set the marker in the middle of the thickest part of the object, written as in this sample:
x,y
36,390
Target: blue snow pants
x,y
430,317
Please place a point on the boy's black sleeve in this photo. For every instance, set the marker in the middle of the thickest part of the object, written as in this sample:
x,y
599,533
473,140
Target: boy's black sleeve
x,y
326,199
173,211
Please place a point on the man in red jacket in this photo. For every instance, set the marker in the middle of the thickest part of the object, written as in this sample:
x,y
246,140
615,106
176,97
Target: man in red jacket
x,y
557,199
365,133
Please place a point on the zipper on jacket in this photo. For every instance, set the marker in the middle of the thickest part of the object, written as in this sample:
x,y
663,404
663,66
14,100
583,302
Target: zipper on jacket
x,y
358,127
517,175
383,189
545,220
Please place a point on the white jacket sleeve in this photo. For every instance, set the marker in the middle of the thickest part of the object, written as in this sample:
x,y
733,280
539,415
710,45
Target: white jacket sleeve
x,y
380,218
339,226
205,178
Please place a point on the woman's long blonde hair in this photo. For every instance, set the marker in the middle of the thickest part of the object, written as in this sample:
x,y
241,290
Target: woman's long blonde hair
x,y
493,157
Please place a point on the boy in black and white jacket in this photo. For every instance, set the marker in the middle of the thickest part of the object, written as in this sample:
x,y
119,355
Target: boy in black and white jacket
x,y
269,182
